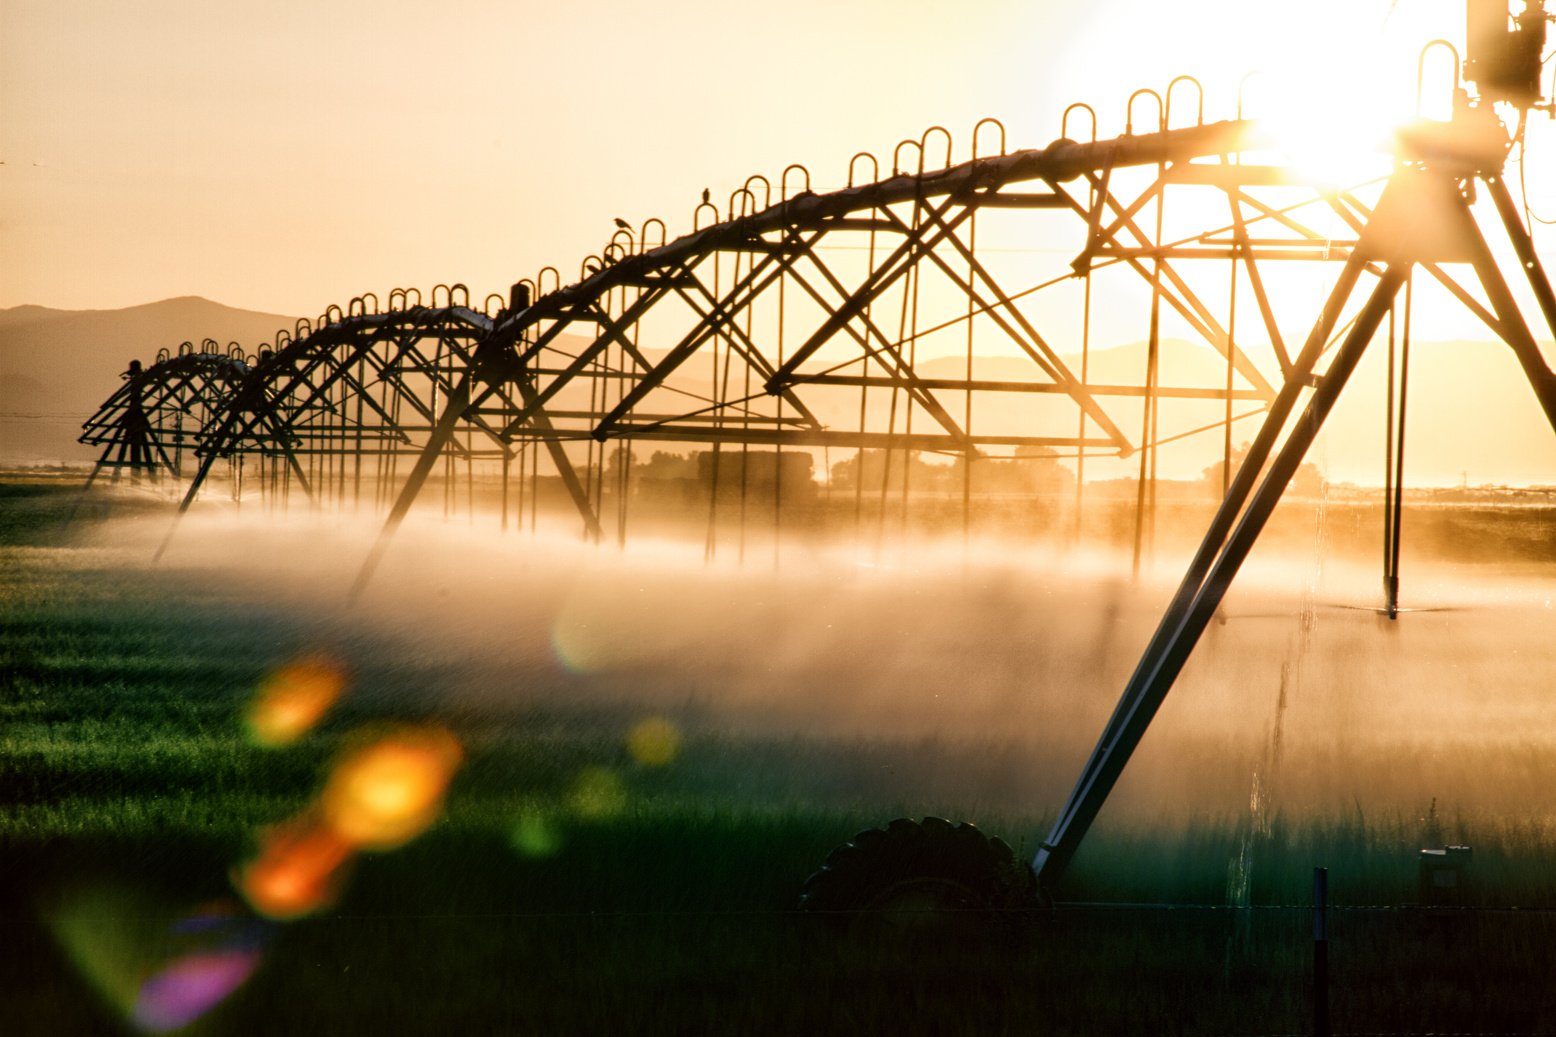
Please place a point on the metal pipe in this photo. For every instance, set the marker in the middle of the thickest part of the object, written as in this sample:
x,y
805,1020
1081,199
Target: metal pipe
x,y
1214,564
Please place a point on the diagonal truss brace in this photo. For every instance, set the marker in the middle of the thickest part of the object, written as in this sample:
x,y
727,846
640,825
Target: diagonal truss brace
x,y
1247,507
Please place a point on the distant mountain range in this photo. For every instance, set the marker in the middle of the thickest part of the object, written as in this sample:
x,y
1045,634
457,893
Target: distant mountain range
x,y
58,366
1471,415
1472,418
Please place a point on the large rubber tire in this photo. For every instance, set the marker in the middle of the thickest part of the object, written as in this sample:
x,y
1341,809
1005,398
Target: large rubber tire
x,y
923,875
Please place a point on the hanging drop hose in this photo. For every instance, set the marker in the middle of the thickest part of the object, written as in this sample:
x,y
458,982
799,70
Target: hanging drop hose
x,y
745,415
1522,142
1394,459
1145,487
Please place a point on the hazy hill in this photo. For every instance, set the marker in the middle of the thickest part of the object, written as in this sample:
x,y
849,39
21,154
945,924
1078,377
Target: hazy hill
x,y
58,366
1472,416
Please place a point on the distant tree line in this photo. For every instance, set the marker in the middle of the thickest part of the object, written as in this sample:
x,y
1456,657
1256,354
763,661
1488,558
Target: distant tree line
x,y
1307,482
1033,470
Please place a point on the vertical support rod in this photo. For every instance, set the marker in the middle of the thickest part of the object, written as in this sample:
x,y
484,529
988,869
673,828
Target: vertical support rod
x,y
507,461
1523,246
1515,332
534,488
1238,247
1216,563
455,402
356,456
1391,381
1397,480
1145,489
1080,431
778,459
560,461
967,397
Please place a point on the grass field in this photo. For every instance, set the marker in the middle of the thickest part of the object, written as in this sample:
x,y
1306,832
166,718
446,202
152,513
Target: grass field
x,y
569,887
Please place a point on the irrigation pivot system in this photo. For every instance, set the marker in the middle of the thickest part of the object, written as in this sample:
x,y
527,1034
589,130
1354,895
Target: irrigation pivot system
x,y
157,414
1446,180
924,306
883,319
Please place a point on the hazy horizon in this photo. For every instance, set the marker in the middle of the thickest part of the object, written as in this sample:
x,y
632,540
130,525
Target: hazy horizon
x,y
137,165
1512,445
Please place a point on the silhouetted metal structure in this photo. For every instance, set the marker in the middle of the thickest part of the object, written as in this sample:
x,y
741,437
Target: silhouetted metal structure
x,y
803,320
893,315
158,414
335,405
1425,218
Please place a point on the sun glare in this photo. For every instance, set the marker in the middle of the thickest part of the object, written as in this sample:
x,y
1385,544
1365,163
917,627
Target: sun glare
x,y
597,794
379,796
654,742
1332,137
386,794
190,986
298,870
1331,80
294,699
1336,126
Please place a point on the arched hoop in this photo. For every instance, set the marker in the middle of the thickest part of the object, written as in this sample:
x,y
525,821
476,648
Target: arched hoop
x,y
987,120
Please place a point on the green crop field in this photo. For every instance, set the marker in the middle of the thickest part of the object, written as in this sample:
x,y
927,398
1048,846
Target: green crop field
x,y
573,884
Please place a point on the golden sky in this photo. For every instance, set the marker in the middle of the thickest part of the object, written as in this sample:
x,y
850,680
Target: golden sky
x,y
285,155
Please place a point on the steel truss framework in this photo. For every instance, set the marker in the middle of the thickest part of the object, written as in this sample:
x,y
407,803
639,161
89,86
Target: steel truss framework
x,y
818,320
806,322
160,411
357,389
1423,220
338,405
